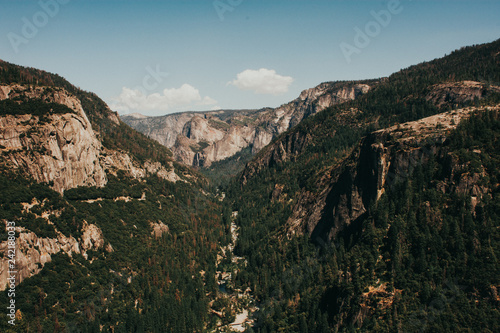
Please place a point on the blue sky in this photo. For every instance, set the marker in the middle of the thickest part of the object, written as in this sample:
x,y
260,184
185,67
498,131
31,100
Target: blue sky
x,y
158,57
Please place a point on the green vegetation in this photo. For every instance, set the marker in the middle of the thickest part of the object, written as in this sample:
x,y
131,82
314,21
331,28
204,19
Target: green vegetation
x,y
162,273
424,257
220,125
243,121
136,281
434,255
120,136
33,106
406,244
114,135
222,172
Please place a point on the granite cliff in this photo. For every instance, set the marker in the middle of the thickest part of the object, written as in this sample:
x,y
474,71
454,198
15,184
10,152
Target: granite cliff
x,y
60,148
63,149
382,159
60,136
199,139
33,252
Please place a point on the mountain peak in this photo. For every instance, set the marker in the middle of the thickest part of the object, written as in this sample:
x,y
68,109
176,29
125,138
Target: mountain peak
x,y
135,115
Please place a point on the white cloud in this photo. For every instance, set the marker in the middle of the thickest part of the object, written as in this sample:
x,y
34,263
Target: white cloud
x,y
208,101
262,81
138,99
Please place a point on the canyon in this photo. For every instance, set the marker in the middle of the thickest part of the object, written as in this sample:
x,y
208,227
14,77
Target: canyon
x,y
202,138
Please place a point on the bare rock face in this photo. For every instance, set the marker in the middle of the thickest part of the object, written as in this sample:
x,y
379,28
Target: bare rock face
x,y
162,129
199,139
317,99
33,252
262,138
113,161
49,95
382,158
345,92
234,140
61,149
199,129
156,168
460,92
185,150
91,238
159,228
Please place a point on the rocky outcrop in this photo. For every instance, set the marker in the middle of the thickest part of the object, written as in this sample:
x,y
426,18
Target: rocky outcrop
x,y
314,100
114,161
199,129
261,139
454,93
383,158
61,148
159,228
91,238
291,144
234,140
162,129
33,252
185,150
199,139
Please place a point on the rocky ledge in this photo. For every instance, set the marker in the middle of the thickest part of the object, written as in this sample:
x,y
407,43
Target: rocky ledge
x,y
382,158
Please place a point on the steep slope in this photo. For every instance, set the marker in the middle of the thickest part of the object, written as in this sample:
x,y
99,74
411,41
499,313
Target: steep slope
x,y
383,159
92,213
468,76
199,139
59,148
63,147
348,222
380,213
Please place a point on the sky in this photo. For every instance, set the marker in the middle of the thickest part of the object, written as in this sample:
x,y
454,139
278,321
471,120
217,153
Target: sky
x,y
166,56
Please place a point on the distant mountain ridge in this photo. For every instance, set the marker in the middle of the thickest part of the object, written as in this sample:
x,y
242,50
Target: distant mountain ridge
x,y
202,138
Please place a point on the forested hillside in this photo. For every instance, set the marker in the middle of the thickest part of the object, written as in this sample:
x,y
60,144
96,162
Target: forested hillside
x,y
381,213
423,257
136,253
114,133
